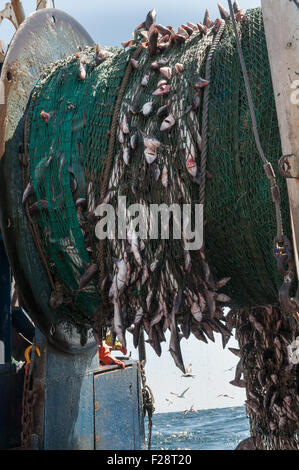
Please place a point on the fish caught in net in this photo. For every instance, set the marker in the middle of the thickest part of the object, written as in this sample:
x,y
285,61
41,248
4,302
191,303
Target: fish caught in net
x,y
87,149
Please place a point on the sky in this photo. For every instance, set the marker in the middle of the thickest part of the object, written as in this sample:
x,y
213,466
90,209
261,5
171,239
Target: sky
x,y
110,23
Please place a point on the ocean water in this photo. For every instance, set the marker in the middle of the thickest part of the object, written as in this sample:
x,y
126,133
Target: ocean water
x,y
218,429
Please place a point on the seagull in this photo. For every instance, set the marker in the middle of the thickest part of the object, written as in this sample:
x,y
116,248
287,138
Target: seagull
x,y
228,370
225,396
189,372
169,401
182,394
191,410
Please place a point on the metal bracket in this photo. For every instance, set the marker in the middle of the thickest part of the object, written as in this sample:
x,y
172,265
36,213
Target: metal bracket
x,y
288,166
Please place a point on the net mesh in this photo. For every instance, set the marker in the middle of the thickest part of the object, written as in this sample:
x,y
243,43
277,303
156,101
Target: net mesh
x,y
170,284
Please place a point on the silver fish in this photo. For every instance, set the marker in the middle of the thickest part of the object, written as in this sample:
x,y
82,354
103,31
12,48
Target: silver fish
x,y
163,112
134,242
150,155
174,346
202,28
137,326
235,351
185,31
149,300
147,108
36,208
162,90
178,68
192,25
133,109
134,141
154,265
177,302
101,55
118,323
145,275
134,63
238,383
81,72
191,166
88,276
121,137
150,19
126,155
168,123
161,83
165,176
196,312
150,142
163,30
236,7
200,83
207,19
162,62
166,72
125,126
223,283
145,80
29,191
223,12
155,171
157,317
82,203
196,102
223,298
121,277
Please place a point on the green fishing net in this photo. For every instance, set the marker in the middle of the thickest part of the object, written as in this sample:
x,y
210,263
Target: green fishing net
x,y
67,154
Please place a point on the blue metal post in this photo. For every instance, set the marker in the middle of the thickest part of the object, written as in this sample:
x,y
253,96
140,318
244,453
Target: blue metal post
x,y
5,290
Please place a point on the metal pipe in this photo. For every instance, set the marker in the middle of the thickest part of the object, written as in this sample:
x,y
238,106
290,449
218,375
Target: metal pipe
x,y
19,11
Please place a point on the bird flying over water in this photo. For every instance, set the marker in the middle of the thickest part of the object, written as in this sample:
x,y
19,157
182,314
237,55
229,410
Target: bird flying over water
x,y
170,402
225,396
188,372
182,394
191,410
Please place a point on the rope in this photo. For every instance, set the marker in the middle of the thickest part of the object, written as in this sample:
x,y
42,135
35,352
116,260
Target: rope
x,y
148,403
109,160
205,120
25,178
274,186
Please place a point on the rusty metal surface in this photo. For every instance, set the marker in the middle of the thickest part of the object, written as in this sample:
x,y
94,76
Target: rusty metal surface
x,y
44,37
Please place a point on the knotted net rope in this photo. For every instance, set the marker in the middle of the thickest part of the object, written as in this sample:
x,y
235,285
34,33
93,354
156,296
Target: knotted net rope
x,y
170,287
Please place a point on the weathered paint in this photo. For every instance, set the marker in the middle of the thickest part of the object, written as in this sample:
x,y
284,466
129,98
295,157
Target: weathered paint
x,y
281,20
118,423
68,414
38,42
5,320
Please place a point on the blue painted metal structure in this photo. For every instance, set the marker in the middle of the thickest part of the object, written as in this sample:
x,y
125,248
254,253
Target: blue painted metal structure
x,y
84,406
11,382
80,405
5,318
118,409
11,389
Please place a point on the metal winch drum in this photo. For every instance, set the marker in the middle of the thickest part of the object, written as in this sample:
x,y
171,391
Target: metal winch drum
x,y
49,253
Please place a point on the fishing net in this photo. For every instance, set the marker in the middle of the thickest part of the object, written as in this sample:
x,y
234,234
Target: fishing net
x,y
70,157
